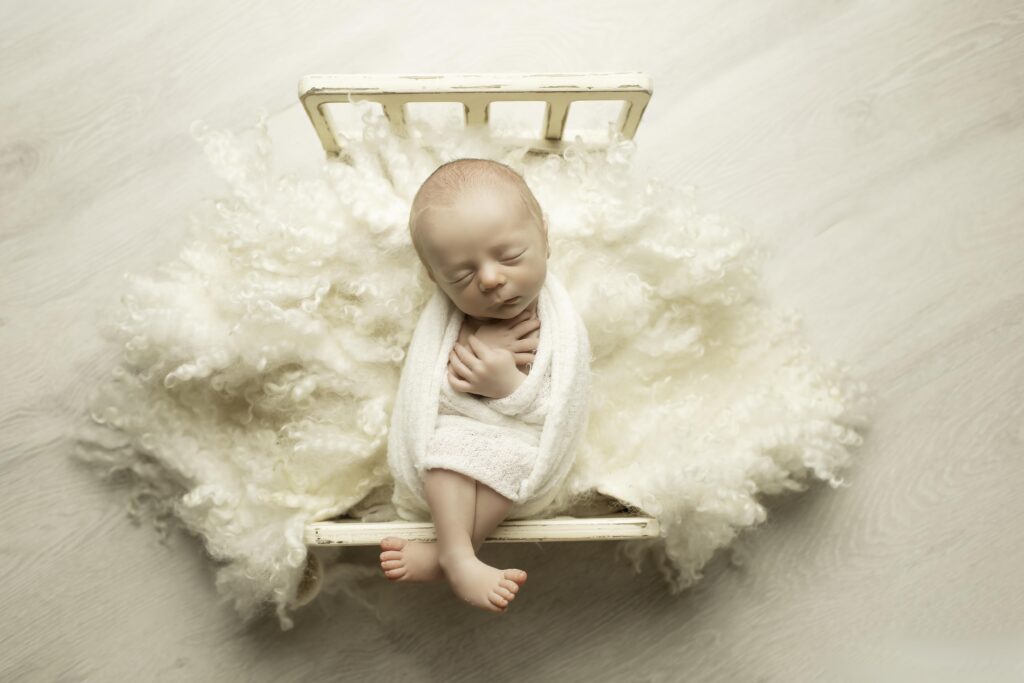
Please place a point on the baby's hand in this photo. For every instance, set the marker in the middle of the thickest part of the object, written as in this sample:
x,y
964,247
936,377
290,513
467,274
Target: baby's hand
x,y
483,370
519,335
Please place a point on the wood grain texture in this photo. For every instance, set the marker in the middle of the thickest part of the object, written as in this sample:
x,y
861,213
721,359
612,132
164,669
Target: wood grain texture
x,y
875,146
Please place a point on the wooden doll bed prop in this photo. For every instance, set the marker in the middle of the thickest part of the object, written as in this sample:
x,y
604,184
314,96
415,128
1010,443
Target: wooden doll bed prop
x,y
476,93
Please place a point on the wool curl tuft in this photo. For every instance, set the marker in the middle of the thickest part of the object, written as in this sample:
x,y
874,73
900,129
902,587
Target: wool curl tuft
x,y
258,368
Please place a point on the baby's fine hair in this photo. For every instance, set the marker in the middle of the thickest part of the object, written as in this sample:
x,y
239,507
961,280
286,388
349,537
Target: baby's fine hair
x,y
451,179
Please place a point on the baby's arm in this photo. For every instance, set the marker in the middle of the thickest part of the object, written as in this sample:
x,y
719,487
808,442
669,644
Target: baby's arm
x,y
529,407
483,370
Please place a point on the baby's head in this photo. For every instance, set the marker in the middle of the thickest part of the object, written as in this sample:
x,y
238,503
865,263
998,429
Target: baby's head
x,y
482,237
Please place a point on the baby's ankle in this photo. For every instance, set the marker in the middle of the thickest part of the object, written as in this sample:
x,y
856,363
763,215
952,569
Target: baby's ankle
x,y
451,558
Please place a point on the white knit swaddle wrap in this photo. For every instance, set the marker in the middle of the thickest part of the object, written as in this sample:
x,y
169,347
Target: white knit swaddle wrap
x,y
522,445
494,441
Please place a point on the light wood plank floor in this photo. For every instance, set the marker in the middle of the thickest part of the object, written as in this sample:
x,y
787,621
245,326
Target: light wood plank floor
x,y
878,147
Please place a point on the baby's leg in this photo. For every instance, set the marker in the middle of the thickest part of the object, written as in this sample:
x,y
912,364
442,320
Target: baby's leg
x,y
491,508
452,498
415,561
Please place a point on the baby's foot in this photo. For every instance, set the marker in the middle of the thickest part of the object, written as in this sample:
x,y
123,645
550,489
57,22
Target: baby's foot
x,y
480,584
404,560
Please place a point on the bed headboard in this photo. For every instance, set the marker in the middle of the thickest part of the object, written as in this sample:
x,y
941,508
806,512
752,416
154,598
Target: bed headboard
x,y
476,92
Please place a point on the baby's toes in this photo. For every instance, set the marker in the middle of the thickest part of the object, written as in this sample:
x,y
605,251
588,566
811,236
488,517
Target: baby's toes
x,y
497,600
390,555
392,564
510,585
396,573
392,543
517,575
504,592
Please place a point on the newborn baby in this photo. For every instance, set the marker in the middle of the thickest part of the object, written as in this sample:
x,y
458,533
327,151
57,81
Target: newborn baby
x,y
481,235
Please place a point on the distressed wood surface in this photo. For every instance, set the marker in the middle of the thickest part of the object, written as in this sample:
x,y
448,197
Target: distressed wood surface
x,y
876,146
352,532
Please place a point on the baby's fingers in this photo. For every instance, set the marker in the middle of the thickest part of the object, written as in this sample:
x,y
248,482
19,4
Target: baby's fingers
x,y
528,344
526,326
478,347
524,358
458,384
459,366
467,355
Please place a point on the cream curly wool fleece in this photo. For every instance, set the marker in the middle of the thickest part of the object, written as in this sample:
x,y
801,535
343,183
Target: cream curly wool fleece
x,y
525,462
259,369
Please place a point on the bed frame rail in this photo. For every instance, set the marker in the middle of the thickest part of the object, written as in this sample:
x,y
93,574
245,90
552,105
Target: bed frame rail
x,y
477,92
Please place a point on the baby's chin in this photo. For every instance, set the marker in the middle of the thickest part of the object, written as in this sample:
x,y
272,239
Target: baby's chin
x,y
506,312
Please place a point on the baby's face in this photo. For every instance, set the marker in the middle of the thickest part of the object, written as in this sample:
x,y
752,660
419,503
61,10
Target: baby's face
x,y
484,250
